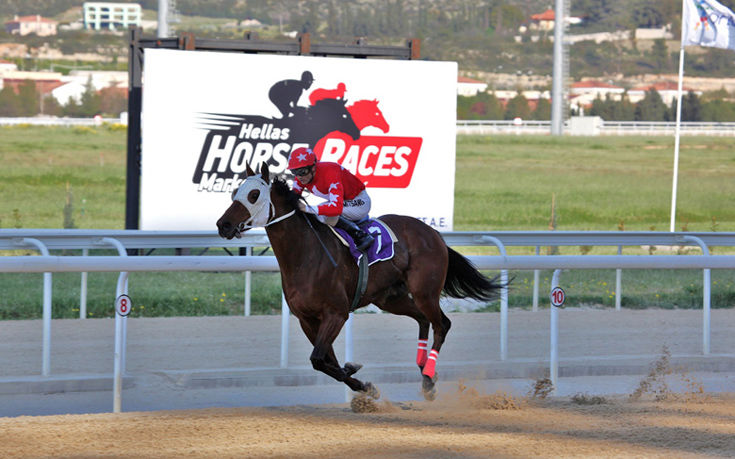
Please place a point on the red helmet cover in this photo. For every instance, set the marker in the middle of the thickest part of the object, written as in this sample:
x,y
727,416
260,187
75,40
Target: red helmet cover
x,y
301,157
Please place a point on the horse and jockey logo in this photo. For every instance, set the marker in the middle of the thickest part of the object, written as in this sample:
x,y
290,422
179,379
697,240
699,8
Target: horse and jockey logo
x,y
330,125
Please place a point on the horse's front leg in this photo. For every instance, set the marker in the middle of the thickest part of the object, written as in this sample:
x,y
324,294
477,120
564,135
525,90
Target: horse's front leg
x,y
323,358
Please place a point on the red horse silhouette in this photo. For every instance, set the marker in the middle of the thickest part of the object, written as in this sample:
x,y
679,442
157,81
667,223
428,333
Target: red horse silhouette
x,y
320,93
366,113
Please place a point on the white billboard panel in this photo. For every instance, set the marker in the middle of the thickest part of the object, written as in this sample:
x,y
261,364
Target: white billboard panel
x,y
206,114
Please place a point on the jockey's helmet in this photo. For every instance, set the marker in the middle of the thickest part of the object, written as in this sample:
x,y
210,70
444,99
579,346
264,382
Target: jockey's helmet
x,y
301,157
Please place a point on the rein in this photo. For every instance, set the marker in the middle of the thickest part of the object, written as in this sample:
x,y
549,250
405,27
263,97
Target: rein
x,y
245,225
334,264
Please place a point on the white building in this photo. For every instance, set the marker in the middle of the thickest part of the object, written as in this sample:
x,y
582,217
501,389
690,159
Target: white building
x,y
7,66
76,83
668,91
25,25
583,93
111,16
469,87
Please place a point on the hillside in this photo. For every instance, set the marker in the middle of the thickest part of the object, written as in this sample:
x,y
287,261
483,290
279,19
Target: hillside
x,y
482,36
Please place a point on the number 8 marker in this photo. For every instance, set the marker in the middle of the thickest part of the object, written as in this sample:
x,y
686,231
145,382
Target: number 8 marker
x,y
123,305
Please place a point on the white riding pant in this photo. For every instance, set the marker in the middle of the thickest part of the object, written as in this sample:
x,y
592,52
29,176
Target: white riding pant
x,y
354,209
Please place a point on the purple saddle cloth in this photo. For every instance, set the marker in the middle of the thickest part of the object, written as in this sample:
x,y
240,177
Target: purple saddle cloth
x,y
382,247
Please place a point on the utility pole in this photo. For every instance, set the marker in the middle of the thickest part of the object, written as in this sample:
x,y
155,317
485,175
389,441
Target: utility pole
x,y
558,76
162,19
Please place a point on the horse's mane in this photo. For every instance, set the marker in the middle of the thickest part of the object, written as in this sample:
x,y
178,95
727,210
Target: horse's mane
x,y
282,189
292,199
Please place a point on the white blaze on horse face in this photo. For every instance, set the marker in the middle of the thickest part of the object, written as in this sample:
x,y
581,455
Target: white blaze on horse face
x,y
259,210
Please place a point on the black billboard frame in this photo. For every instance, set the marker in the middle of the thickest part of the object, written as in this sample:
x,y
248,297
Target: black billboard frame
x,y
302,46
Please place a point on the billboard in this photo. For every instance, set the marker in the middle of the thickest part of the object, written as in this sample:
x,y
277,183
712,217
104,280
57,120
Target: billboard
x,y
207,115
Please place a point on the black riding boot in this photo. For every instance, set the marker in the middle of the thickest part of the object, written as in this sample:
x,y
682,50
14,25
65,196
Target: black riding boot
x,y
361,238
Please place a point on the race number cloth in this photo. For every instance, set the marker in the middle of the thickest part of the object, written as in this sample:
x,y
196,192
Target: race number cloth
x,y
382,247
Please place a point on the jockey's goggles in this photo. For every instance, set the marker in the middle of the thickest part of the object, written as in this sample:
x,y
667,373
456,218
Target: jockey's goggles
x,y
301,171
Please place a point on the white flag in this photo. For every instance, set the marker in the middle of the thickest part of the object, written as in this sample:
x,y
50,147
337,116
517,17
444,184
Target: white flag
x,y
708,23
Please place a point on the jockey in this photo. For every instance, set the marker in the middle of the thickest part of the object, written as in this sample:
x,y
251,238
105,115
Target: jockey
x,y
346,202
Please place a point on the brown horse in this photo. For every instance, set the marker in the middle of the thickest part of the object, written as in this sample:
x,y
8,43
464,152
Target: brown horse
x,y
319,293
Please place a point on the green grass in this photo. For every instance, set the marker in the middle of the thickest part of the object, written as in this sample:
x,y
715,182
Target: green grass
x,y
503,183
39,162
507,183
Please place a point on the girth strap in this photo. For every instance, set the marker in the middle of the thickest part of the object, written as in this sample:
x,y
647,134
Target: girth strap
x,y
362,281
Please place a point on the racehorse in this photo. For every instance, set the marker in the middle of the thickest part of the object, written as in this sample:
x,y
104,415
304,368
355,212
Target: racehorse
x,y
319,293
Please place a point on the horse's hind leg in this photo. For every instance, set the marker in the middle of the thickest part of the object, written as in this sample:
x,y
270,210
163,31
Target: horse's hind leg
x,y
403,305
426,296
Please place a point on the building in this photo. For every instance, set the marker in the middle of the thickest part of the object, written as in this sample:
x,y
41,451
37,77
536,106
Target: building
x,y
544,22
583,93
25,25
468,87
7,66
75,84
668,90
111,16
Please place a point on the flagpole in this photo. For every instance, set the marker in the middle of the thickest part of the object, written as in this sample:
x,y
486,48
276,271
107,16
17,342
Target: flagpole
x,y
677,131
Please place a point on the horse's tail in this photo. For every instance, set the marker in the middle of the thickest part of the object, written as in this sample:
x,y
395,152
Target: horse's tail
x,y
465,281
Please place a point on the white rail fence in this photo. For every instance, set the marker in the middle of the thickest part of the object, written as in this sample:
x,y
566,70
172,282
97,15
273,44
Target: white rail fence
x,y
478,127
122,241
486,127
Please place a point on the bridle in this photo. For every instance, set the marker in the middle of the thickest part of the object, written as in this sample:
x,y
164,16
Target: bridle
x,y
262,211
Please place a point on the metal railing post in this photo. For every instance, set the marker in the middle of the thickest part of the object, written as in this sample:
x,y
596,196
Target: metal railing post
x,y
536,279
706,296
248,282
284,331
618,283
83,291
348,350
47,291
554,334
120,329
503,299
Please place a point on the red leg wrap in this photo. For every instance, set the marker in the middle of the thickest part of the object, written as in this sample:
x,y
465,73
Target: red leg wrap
x,y
430,367
421,354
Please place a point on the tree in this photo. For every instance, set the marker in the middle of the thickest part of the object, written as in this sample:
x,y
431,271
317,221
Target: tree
x,y
90,100
648,16
28,99
660,55
718,110
691,107
9,103
543,110
651,108
517,108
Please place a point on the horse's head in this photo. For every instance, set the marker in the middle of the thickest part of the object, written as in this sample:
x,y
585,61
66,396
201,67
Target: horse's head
x,y
366,113
251,205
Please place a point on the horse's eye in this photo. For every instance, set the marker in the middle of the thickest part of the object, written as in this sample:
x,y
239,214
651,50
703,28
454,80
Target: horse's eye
x,y
253,196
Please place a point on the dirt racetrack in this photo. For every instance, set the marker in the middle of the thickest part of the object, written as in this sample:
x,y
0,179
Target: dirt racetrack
x,y
462,424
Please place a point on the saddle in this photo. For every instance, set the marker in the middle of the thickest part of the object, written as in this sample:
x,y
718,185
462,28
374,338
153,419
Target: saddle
x,y
382,246
380,250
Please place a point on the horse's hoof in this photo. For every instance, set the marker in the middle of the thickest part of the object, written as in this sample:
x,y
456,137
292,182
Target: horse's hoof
x,y
428,387
351,368
371,391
